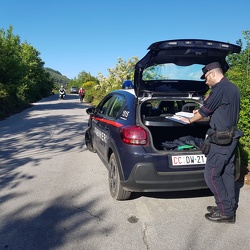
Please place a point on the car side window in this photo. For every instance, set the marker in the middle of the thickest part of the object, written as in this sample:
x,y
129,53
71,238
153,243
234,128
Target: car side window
x,y
118,102
103,108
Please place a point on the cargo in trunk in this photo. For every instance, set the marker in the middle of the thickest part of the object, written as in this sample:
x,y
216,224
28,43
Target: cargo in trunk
x,y
156,116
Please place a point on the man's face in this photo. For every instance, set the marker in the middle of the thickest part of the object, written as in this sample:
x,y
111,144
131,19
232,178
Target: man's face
x,y
209,78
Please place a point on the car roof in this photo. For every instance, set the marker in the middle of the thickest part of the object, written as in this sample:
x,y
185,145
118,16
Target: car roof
x,y
126,92
181,52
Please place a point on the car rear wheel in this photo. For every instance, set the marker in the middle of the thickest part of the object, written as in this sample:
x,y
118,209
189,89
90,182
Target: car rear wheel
x,y
116,190
88,141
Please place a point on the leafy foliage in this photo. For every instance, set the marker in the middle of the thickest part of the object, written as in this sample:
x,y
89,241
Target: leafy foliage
x,y
239,74
89,90
97,88
22,76
244,125
124,70
57,78
82,78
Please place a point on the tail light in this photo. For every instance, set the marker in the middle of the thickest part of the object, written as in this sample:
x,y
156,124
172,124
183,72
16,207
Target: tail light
x,y
134,135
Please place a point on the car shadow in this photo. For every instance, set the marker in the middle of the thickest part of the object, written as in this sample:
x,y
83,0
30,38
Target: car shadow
x,y
188,194
172,194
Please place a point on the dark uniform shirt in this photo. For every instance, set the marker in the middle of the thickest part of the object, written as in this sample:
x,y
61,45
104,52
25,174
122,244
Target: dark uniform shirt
x,y
222,104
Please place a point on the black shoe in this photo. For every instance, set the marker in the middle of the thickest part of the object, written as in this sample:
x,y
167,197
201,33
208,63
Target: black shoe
x,y
218,217
212,209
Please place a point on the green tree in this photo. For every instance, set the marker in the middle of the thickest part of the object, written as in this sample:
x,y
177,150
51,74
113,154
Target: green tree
x,y
124,70
22,75
82,78
240,75
57,78
89,90
34,84
11,70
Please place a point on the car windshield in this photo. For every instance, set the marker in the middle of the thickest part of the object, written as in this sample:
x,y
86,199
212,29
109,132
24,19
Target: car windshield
x,y
171,71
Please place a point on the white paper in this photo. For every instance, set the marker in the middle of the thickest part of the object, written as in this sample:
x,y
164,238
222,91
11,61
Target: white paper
x,y
185,114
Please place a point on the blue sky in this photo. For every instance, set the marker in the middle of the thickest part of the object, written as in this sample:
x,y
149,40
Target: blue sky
x,y
89,35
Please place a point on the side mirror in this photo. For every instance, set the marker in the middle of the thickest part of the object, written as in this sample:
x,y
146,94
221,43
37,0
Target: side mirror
x,y
91,110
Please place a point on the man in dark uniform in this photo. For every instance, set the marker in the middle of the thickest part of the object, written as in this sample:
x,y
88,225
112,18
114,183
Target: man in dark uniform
x,y
223,105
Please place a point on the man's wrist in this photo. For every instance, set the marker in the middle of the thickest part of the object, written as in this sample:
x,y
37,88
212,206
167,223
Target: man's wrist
x,y
189,119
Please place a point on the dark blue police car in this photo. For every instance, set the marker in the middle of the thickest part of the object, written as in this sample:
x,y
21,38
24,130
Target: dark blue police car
x,y
137,132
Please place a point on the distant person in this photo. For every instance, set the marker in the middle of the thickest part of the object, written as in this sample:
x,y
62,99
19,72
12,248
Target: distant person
x,y
62,92
127,84
62,88
81,93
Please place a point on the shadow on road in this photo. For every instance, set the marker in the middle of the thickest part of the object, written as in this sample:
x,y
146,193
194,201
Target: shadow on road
x,y
51,227
47,128
38,134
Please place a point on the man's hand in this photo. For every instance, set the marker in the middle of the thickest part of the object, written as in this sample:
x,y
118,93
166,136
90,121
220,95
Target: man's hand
x,y
186,120
195,118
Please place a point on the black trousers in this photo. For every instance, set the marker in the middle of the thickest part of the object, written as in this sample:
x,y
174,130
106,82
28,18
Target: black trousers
x,y
219,176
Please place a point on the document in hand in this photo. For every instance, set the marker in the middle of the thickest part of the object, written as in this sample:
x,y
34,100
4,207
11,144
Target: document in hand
x,y
185,114
177,116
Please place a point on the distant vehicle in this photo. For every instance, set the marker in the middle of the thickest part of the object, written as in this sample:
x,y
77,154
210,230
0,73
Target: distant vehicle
x,y
74,90
134,131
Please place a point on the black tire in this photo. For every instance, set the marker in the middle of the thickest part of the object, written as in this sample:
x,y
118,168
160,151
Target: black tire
x,y
88,141
116,190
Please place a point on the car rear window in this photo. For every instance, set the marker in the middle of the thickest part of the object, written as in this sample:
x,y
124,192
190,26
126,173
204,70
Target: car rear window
x,y
171,71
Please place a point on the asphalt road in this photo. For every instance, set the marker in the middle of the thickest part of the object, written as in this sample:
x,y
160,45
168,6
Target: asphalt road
x,y
54,194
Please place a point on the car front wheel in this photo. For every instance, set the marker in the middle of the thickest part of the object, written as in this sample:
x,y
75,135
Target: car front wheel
x,y
116,190
88,141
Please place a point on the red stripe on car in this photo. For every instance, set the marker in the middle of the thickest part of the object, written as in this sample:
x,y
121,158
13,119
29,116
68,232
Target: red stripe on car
x,y
116,124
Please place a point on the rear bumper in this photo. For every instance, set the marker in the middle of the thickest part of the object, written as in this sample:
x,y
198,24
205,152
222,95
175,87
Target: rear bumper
x,y
145,178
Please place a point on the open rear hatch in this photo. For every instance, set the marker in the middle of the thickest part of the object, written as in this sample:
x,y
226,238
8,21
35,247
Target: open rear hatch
x,y
154,73
168,78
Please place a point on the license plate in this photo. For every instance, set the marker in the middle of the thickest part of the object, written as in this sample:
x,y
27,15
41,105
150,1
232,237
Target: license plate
x,y
179,160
